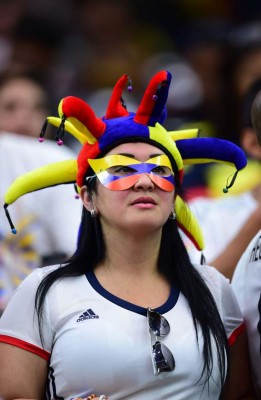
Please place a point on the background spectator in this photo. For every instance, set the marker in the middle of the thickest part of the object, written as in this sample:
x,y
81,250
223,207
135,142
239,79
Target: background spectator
x,y
40,240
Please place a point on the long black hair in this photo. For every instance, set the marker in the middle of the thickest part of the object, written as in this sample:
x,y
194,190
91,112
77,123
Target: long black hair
x,y
173,263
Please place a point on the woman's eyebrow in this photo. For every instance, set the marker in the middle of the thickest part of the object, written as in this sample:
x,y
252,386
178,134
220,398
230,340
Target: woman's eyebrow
x,y
127,155
156,155
133,156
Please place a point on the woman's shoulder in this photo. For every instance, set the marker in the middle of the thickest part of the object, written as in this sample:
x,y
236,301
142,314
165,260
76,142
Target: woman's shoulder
x,y
223,295
41,272
210,274
32,281
217,283
60,283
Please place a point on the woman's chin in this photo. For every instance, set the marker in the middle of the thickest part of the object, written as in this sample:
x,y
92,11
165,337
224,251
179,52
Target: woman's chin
x,y
143,226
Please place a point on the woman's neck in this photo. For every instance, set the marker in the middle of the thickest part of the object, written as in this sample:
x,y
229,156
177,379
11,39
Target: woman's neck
x,y
131,254
130,271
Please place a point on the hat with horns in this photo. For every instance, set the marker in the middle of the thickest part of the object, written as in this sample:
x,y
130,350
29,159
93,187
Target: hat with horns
x,y
98,135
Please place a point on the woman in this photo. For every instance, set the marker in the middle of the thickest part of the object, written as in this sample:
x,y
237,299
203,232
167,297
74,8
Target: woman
x,y
128,316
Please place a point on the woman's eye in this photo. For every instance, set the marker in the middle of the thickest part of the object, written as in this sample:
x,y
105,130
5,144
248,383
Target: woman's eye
x,y
120,170
160,170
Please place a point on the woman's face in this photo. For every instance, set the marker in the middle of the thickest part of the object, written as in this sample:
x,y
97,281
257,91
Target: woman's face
x,y
143,207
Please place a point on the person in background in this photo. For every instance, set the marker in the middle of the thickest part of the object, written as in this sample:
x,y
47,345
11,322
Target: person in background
x,y
40,240
246,280
230,221
128,315
11,12
23,104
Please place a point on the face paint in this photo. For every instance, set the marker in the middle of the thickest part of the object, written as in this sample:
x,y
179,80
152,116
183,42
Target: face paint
x,y
118,172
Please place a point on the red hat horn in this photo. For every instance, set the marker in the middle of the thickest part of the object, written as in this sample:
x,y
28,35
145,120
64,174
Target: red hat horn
x,y
152,106
116,107
77,108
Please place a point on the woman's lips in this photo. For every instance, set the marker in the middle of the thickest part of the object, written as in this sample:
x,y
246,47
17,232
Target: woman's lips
x,y
144,202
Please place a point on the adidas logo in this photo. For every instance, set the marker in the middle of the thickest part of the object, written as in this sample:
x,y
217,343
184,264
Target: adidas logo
x,y
88,314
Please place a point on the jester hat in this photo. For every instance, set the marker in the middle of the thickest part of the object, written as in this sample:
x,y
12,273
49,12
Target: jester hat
x,y
99,135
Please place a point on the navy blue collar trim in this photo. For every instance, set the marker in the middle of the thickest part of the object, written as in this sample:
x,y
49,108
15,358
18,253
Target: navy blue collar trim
x,y
167,306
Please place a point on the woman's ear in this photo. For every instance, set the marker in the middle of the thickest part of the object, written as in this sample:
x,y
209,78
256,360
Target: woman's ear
x,y
86,197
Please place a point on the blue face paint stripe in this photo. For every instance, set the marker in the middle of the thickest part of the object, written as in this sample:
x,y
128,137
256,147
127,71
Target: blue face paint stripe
x,y
143,167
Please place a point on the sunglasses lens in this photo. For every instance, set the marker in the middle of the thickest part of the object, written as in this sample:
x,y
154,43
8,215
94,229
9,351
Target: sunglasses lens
x,y
157,323
163,358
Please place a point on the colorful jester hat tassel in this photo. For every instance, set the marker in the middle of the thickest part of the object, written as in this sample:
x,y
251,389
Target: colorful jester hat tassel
x,y
99,135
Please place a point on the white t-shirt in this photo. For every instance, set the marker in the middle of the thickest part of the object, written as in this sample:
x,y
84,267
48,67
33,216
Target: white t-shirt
x,y
98,343
220,220
246,283
47,220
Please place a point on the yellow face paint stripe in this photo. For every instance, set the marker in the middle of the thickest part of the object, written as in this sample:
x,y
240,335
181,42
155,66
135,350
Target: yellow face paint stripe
x,y
102,164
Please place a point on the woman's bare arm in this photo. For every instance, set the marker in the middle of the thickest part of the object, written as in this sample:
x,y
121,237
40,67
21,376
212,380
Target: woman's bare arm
x,y
239,386
226,262
22,374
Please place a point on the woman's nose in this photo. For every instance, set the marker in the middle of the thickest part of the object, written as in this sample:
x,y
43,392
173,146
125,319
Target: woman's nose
x,y
144,183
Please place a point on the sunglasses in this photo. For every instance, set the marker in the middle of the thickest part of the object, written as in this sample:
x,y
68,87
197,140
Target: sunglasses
x,y
162,358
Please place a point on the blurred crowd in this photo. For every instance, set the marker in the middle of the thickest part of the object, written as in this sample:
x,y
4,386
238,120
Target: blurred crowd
x,y
49,50
81,47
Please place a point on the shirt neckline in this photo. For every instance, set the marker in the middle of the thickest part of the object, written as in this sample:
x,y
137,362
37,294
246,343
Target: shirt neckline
x,y
167,306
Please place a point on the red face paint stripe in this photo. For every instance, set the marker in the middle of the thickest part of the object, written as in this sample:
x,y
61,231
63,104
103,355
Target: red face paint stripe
x,y
162,182
123,183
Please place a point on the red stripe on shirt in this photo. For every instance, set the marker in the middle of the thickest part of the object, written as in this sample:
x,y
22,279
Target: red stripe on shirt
x,y
234,335
26,346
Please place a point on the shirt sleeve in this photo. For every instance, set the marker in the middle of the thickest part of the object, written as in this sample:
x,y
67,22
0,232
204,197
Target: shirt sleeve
x,y
19,322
